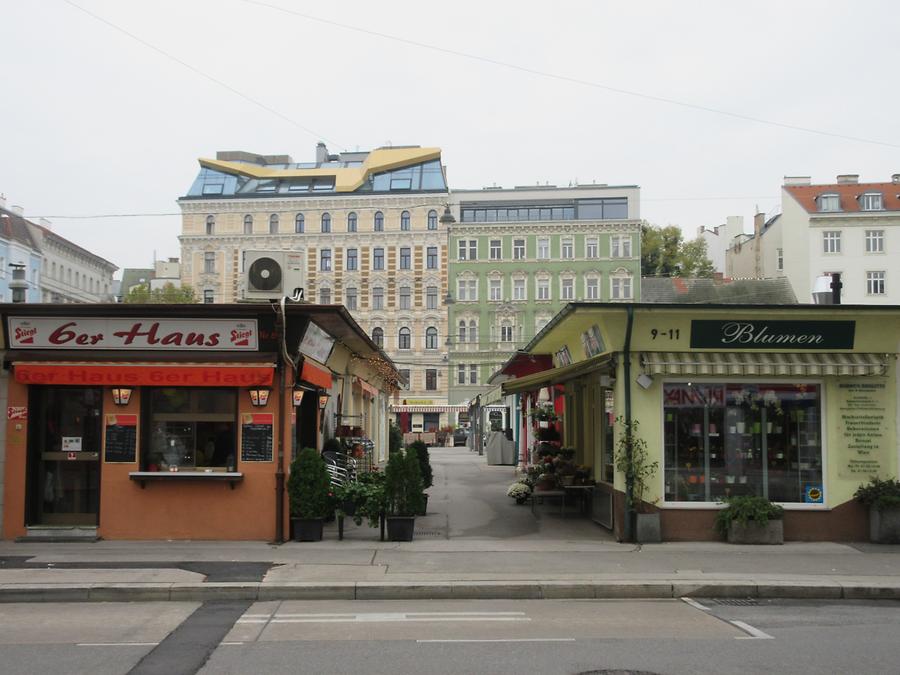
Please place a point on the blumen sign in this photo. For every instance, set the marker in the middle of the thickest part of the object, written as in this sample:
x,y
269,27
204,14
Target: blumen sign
x,y
93,333
741,334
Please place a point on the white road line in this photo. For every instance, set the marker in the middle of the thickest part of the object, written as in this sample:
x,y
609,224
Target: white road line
x,y
116,644
434,619
753,633
695,604
231,644
505,640
381,617
388,614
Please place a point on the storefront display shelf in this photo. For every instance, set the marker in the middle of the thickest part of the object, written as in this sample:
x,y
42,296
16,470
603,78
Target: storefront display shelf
x,y
231,477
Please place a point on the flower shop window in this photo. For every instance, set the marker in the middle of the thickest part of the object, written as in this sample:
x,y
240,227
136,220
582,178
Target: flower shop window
x,y
723,440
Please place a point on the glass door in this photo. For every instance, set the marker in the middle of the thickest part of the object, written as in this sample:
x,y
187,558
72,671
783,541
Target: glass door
x,y
64,455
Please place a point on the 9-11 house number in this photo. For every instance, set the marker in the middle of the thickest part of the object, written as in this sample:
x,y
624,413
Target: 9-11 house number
x,y
670,334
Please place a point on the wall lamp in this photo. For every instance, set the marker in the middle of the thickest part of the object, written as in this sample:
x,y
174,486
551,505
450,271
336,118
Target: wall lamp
x,y
323,399
297,396
259,396
121,395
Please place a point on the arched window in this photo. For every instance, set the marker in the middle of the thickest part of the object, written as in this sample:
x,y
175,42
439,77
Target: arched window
x,y
326,222
403,339
431,338
273,224
378,337
351,222
404,221
462,331
299,224
432,220
248,224
379,221
473,331
52,268
210,224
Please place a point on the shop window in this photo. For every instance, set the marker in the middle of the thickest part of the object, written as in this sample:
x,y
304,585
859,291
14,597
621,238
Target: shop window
x,y
430,422
724,440
191,429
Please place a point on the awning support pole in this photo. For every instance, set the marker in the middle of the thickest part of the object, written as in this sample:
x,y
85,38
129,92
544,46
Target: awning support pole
x,y
627,534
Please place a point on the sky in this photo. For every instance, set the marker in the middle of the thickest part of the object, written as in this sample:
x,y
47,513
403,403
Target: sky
x,y
106,105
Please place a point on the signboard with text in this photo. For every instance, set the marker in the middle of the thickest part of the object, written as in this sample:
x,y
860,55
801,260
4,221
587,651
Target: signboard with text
x,y
865,439
316,343
776,335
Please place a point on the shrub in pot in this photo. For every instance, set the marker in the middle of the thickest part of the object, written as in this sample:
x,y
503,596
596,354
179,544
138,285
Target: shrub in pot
x,y
403,494
633,460
421,451
750,519
309,495
366,494
882,497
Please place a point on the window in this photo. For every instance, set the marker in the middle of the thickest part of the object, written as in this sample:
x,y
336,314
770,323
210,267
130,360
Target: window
x,y
603,209
875,283
518,249
404,258
191,428
506,333
592,247
326,222
378,337
874,241
273,224
378,223
568,249
473,374
473,289
299,224
431,297
430,379
209,264
432,220
519,289
620,246
495,249
404,221
208,297
350,299
324,296
404,297
431,338
467,250
495,290
351,221
829,203
325,260
431,258
717,436
461,373
404,374
779,259
473,332
461,335
543,248
831,242
352,263
377,297
210,224
248,224
568,289
621,288
543,289
403,338
592,289
378,259
871,201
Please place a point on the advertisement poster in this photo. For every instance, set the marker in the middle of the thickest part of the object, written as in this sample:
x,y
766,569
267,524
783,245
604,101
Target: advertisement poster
x,y
865,438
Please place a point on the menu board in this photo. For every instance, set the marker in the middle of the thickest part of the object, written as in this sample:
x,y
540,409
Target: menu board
x,y
256,437
121,438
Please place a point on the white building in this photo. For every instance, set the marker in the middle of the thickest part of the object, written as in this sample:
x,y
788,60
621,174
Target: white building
x,y
719,239
758,255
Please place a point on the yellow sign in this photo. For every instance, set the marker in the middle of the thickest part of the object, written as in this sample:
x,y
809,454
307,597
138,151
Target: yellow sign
x,y
418,401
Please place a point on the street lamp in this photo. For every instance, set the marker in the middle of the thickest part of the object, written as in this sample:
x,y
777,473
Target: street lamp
x,y
259,396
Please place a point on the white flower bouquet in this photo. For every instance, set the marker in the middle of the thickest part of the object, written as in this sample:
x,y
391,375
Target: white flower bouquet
x,y
518,491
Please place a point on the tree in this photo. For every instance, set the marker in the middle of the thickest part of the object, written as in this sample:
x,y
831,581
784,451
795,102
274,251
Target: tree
x,y
168,294
664,253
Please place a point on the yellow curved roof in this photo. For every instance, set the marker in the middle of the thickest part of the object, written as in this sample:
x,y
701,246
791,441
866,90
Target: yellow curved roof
x,y
346,179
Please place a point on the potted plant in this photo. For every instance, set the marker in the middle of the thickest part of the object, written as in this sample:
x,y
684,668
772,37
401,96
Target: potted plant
x,y
308,489
751,519
421,451
882,497
403,495
633,460
363,499
519,491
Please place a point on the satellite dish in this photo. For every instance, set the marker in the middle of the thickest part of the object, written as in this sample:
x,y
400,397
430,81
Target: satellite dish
x,y
265,274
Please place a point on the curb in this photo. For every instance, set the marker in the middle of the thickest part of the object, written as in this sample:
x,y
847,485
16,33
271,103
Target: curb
x,y
444,590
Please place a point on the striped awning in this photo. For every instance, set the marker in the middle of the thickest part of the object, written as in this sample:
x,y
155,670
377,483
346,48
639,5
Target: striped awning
x,y
758,363
428,408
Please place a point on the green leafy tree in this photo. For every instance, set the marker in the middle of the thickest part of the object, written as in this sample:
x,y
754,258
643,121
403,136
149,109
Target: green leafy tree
x,y
169,294
665,253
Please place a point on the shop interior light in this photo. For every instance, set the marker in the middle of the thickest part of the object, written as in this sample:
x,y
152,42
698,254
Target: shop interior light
x,y
259,396
323,399
298,396
121,395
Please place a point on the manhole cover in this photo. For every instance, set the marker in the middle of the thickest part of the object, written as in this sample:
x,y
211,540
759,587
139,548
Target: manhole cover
x,y
738,602
429,533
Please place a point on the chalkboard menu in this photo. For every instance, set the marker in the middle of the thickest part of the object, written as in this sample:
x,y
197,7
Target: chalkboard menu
x,y
121,438
256,437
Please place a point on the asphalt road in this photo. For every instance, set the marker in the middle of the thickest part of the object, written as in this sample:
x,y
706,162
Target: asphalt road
x,y
516,636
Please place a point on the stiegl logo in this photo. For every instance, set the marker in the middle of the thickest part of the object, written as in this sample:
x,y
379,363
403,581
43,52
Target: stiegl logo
x,y
25,334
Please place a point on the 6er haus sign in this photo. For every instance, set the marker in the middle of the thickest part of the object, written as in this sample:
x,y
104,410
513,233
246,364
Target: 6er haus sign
x,y
739,334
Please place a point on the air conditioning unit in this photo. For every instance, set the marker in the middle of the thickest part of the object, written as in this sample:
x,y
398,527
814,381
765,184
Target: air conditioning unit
x,y
270,275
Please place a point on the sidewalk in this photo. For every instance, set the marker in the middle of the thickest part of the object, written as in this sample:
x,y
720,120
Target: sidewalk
x,y
475,543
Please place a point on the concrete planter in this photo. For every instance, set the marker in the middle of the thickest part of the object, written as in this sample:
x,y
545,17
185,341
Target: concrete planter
x,y
752,533
647,528
884,525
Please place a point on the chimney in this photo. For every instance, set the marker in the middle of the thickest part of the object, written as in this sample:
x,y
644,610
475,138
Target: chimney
x,y
797,180
2,201
848,179
321,153
759,221
895,179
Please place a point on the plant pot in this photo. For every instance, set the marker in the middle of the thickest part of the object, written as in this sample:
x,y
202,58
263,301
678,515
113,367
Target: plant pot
x,y
521,500
348,506
424,505
753,533
307,529
647,528
884,525
545,482
400,528
566,480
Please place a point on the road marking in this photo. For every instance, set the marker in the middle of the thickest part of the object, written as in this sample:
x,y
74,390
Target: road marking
x,y
695,604
505,640
381,617
752,633
116,644
231,644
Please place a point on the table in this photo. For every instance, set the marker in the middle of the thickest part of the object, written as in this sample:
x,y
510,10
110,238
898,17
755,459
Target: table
x,y
583,492
536,494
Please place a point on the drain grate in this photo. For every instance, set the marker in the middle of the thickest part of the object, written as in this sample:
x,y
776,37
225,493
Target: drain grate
x,y
429,533
738,602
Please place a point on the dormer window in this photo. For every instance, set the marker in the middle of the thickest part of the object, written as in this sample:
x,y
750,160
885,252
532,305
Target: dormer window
x,y
871,201
829,203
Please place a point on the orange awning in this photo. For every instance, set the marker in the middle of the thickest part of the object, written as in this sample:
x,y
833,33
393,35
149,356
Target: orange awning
x,y
135,375
316,376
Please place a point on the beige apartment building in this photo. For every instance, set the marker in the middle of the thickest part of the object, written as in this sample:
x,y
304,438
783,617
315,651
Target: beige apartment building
x,y
362,229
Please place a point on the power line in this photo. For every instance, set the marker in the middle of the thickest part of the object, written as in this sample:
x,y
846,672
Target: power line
x,y
205,75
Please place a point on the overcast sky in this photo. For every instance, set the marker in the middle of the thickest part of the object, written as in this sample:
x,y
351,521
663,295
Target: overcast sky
x,y
94,121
